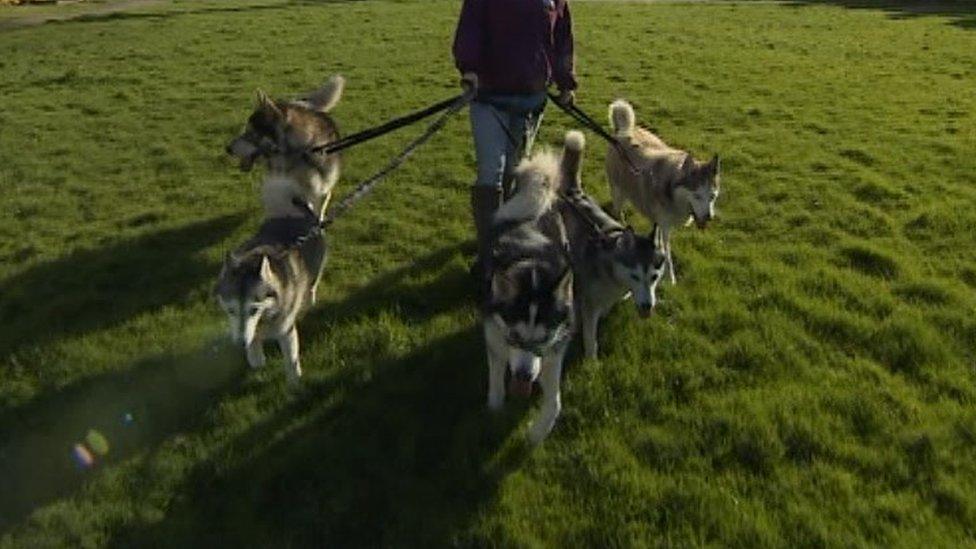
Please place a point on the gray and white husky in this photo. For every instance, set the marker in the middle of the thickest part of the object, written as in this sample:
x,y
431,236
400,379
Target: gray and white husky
x,y
269,281
283,133
670,188
609,259
528,306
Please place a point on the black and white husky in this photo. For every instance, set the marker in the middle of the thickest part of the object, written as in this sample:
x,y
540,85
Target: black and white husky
x,y
610,260
528,307
269,281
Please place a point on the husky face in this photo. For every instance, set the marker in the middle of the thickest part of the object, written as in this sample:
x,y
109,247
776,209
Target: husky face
x,y
699,189
638,263
532,308
282,132
247,291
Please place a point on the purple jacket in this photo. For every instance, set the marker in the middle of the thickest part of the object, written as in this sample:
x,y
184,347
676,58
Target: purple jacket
x,y
516,46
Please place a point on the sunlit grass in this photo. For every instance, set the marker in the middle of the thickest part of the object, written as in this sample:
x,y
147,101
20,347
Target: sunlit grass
x,y
808,382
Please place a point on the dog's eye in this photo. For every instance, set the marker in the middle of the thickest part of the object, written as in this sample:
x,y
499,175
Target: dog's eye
x,y
634,277
253,310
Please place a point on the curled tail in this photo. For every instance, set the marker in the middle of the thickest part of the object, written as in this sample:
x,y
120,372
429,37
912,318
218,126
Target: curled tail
x,y
326,97
572,159
537,181
622,118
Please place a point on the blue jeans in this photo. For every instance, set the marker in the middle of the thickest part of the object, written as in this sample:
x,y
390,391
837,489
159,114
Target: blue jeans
x,y
503,127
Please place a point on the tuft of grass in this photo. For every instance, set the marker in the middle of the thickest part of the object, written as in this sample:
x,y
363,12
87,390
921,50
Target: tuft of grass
x,y
870,261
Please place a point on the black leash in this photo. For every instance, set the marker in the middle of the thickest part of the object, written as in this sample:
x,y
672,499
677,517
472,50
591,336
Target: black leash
x,y
587,122
395,124
450,107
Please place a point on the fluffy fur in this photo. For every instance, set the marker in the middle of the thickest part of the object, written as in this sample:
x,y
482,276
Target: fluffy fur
x,y
527,314
670,186
609,260
268,282
282,133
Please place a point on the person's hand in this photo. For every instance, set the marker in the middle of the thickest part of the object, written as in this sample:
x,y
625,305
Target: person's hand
x,y
469,82
567,97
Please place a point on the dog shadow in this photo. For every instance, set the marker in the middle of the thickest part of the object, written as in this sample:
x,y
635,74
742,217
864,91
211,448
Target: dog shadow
x,y
409,456
426,287
133,409
93,289
400,450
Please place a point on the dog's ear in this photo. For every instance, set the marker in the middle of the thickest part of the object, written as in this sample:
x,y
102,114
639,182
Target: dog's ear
x,y
231,260
657,237
626,240
266,104
714,165
503,288
606,242
564,288
688,165
267,275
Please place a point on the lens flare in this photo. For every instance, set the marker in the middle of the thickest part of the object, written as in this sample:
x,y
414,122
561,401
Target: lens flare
x,y
81,455
97,442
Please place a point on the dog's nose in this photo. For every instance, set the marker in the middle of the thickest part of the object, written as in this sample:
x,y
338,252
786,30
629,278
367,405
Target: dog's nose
x,y
523,375
644,310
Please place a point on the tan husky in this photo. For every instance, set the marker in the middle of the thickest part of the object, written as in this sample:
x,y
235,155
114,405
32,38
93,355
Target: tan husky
x,y
670,187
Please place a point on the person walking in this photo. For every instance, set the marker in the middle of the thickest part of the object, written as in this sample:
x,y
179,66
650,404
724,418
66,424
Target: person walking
x,y
508,53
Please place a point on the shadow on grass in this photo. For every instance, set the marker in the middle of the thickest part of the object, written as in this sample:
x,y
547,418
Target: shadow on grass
x,y
163,394
93,289
406,458
108,14
393,450
961,13
420,290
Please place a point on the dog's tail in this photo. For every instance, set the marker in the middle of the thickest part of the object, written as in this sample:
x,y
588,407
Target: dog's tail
x,y
622,118
569,167
326,97
537,181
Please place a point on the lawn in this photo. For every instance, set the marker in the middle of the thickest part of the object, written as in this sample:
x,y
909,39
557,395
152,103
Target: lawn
x,y
810,381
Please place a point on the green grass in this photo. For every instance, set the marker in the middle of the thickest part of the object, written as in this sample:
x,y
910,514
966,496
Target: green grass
x,y
809,382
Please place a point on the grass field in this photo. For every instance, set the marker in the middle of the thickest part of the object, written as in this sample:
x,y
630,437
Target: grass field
x,y
810,381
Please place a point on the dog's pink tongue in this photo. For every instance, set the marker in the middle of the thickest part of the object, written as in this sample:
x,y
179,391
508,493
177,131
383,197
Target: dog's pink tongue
x,y
520,387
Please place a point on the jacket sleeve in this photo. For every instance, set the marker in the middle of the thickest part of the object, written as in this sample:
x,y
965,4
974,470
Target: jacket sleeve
x,y
469,36
564,60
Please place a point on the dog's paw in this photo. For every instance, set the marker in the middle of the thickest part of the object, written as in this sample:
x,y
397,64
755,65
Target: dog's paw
x,y
293,374
538,432
255,357
496,403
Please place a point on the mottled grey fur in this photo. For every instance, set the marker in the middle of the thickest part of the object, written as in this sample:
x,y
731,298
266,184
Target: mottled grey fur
x,y
609,260
528,309
282,132
268,282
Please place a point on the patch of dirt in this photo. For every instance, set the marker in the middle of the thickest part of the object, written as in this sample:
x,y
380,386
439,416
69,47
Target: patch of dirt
x,y
101,8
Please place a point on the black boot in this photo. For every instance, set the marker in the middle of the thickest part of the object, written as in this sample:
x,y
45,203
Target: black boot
x,y
484,202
